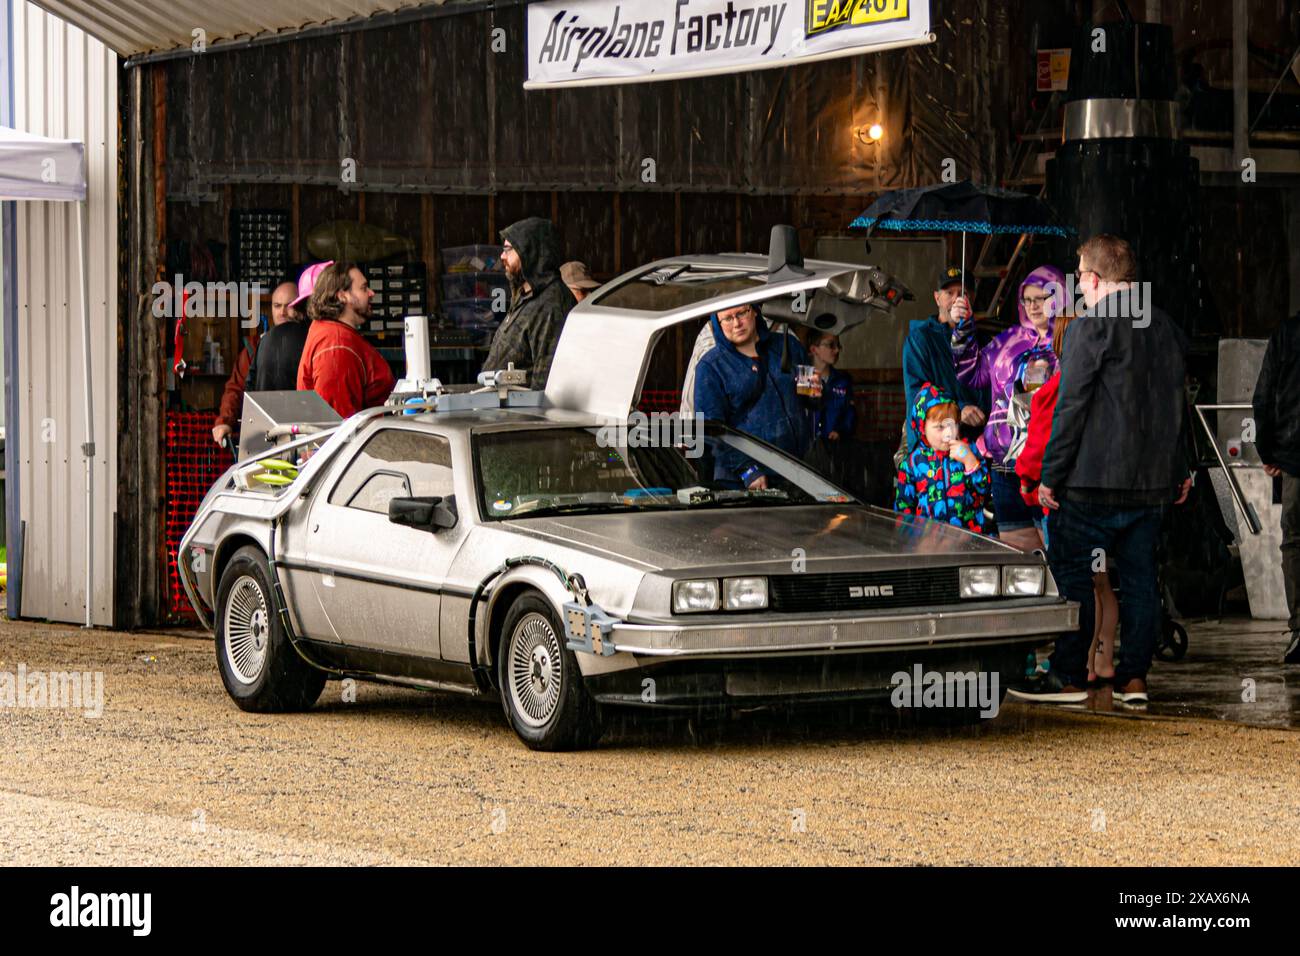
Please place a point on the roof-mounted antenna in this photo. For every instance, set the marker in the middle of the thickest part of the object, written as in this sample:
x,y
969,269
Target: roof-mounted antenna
x,y
784,261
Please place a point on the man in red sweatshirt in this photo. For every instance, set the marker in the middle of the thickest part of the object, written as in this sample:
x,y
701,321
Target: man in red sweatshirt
x,y
337,363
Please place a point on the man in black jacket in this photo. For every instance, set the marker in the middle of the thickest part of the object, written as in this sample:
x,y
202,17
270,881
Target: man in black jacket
x,y
1114,462
1277,439
275,364
540,303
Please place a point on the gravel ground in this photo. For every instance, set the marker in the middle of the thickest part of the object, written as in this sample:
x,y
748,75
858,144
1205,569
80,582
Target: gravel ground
x,y
173,773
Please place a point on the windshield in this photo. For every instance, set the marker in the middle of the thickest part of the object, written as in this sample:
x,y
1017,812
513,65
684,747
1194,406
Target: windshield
x,y
653,467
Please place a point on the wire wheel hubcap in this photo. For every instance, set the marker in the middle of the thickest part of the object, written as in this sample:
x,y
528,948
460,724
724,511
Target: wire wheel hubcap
x,y
534,670
247,629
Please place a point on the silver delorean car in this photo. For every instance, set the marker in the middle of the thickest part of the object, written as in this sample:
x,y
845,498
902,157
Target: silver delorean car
x,y
561,552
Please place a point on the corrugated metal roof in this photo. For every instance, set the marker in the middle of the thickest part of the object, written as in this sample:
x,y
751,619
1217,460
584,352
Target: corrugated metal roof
x,y
132,27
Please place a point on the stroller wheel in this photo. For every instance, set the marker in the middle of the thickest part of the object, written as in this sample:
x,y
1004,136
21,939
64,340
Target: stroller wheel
x,y
1173,641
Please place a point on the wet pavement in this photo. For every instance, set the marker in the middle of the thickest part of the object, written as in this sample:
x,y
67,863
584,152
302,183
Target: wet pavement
x,y
1233,671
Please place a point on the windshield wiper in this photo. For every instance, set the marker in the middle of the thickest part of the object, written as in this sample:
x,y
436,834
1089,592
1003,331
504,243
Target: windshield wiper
x,y
748,499
584,507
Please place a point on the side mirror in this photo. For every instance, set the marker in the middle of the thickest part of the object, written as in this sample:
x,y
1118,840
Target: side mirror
x,y
427,514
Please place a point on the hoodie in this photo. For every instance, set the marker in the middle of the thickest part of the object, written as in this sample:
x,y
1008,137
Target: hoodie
x,y
753,395
993,368
934,485
529,333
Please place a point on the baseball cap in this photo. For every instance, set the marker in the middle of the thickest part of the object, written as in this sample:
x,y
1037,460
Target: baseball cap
x,y
307,281
949,276
576,276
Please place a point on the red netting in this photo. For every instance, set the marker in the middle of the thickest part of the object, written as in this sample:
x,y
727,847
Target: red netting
x,y
193,463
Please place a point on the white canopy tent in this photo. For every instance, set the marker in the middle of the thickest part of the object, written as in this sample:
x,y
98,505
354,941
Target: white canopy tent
x,y
39,169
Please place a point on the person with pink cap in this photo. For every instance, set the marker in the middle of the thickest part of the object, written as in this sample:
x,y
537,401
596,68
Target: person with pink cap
x,y
283,313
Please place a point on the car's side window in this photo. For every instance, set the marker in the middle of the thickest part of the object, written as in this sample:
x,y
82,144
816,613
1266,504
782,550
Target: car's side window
x,y
378,489
395,463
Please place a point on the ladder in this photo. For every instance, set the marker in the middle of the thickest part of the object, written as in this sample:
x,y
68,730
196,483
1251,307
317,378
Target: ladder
x,y
1029,147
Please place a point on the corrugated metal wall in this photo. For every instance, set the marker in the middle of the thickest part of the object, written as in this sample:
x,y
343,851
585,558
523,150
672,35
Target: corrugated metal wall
x,y
65,85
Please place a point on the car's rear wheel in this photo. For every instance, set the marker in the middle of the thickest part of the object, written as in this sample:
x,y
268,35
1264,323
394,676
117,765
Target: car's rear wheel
x,y
541,687
261,670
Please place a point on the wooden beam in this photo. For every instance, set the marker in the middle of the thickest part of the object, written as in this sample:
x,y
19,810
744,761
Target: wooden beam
x,y
677,223
154,418
429,250
140,567
159,160
295,222
618,233
295,93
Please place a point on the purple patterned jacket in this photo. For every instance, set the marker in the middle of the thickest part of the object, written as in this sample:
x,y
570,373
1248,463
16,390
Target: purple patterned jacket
x,y
993,366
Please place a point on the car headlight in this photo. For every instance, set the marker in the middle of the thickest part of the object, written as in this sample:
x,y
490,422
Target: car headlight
x,y
744,594
978,582
1022,580
694,596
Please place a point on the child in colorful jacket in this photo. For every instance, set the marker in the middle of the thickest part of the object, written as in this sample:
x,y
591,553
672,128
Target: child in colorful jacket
x,y
942,478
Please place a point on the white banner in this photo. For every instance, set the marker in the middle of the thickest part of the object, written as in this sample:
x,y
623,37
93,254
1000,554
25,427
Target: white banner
x,y
593,42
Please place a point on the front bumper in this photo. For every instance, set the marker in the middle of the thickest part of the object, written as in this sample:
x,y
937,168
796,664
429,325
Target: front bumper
x,y
1001,624
708,684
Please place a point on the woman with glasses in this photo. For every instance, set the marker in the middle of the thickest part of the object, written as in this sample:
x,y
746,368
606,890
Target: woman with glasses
x,y
748,381
998,367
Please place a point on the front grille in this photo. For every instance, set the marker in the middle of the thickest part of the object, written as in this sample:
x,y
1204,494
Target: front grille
x,y
916,587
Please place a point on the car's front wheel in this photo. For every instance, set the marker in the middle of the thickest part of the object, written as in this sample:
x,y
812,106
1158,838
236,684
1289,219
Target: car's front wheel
x,y
261,670
541,688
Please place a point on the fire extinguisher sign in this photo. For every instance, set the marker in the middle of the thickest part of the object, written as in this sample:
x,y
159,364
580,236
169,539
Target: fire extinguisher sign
x,y
1053,69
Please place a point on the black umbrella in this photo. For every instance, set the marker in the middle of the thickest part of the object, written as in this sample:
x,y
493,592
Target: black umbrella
x,y
961,207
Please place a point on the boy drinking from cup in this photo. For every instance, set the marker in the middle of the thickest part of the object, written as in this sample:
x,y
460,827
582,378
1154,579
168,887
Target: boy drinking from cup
x,y
942,478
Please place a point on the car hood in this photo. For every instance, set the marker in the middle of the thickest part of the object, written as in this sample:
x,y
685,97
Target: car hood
x,y
827,536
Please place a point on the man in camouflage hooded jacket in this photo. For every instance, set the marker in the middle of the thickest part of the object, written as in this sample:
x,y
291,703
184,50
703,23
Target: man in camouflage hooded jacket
x,y
540,302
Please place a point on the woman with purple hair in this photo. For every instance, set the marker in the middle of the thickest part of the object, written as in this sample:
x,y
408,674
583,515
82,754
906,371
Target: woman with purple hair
x,y
1006,368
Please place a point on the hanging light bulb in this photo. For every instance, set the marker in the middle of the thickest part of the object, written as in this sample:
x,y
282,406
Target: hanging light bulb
x,y
869,135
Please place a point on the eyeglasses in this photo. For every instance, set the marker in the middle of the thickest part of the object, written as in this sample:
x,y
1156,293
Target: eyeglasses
x,y
744,313
1033,300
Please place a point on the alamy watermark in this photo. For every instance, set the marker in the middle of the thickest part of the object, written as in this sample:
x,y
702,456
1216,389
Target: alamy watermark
x,y
55,690
656,430
1132,301
920,688
133,911
208,300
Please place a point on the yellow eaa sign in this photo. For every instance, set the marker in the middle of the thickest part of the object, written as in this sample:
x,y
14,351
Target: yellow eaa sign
x,y
823,15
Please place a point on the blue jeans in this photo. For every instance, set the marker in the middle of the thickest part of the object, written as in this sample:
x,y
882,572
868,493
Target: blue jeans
x,y
1127,537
